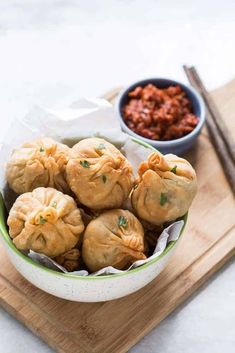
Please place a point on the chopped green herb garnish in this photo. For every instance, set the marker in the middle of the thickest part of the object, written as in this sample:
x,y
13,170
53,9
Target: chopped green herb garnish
x,y
122,221
54,204
101,146
42,220
41,149
85,164
104,178
163,199
173,170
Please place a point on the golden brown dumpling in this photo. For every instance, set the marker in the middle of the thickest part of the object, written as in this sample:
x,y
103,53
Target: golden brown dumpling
x,y
46,221
71,260
98,174
38,163
165,188
115,238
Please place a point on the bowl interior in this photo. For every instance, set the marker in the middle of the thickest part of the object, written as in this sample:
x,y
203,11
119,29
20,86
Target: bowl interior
x,y
8,242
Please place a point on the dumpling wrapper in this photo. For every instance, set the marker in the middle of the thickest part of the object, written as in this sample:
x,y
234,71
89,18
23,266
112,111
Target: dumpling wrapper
x,y
38,163
45,221
70,260
99,174
164,189
115,238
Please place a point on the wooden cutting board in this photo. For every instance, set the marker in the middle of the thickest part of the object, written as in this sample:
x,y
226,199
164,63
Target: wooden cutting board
x,y
208,242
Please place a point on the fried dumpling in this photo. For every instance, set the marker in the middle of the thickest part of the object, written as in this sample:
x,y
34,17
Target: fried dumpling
x,y
70,260
115,238
45,221
41,162
99,174
164,189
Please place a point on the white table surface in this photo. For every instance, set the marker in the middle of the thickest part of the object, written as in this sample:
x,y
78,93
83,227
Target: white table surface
x,y
54,51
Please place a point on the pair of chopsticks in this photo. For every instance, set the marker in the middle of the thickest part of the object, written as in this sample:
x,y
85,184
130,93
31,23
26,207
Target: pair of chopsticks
x,y
219,133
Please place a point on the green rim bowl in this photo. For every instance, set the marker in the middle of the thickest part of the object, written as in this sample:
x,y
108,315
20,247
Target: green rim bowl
x,y
84,288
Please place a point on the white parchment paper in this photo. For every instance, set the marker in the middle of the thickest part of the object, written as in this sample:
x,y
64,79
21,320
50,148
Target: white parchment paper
x,y
84,118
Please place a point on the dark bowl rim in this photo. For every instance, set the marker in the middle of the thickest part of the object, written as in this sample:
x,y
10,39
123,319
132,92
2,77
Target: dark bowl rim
x,y
159,143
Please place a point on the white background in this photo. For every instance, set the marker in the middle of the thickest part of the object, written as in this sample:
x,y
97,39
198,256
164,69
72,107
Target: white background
x,y
54,51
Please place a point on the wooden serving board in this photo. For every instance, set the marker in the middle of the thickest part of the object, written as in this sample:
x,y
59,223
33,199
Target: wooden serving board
x,y
208,242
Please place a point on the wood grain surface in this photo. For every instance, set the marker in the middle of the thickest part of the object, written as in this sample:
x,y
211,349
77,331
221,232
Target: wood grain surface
x,y
113,327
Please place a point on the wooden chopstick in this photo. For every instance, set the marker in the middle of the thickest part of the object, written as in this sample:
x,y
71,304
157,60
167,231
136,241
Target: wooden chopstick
x,y
228,140
219,134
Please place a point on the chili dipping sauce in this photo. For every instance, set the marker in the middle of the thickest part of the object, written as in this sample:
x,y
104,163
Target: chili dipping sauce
x,y
159,113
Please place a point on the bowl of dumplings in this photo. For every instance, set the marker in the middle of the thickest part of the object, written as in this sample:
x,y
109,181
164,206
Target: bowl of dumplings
x,y
83,224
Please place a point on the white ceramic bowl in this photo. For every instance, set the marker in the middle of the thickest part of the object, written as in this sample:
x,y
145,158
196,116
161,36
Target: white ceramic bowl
x,y
79,288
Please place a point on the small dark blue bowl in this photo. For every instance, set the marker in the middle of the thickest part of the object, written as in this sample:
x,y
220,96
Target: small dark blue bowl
x,y
177,146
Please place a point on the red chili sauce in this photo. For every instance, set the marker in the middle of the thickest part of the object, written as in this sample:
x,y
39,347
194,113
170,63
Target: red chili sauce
x,y
159,113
